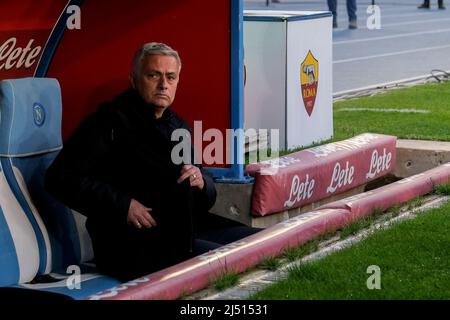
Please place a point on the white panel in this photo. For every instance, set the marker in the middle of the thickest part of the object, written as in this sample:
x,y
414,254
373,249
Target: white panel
x,y
305,35
21,231
264,59
24,189
87,253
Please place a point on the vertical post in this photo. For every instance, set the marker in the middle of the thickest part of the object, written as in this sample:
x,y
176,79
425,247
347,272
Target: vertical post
x,y
267,2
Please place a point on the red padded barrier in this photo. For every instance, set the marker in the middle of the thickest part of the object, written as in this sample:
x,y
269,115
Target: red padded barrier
x,y
317,173
194,274
394,193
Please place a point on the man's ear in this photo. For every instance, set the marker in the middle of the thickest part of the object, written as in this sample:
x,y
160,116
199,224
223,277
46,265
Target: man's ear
x,y
132,81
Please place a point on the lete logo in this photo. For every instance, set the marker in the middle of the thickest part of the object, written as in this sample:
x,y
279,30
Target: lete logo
x,y
309,79
10,56
341,177
115,291
379,163
300,190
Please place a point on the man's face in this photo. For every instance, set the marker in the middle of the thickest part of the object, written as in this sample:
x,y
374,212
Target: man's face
x,y
157,81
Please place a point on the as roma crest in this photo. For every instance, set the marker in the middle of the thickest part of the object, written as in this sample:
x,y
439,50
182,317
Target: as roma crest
x,y
309,78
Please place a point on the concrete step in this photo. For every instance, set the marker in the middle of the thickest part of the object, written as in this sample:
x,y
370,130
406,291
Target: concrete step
x,y
416,156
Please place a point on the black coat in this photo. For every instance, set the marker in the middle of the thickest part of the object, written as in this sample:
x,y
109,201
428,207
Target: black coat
x,y
121,152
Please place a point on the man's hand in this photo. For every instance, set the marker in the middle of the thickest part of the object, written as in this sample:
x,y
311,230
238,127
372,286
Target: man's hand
x,y
194,175
139,216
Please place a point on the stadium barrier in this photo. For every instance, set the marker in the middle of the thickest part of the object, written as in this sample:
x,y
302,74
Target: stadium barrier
x,y
316,173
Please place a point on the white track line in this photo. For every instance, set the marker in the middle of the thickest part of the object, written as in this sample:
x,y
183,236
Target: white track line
x,y
381,85
376,56
384,25
389,110
344,17
404,15
405,23
394,36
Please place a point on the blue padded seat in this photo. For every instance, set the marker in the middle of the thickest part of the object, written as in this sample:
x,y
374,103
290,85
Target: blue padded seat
x,y
19,252
38,235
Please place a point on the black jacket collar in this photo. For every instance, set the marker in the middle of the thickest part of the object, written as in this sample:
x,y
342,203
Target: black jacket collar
x,y
130,98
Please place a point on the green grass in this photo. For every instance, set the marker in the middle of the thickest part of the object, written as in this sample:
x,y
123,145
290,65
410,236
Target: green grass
x,y
414,258
416,202
226,279
430,126
443,189
395,211
363,223
354,227
270,263
434,125
294,253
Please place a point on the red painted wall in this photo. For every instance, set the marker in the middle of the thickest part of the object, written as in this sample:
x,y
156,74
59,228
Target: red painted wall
x,y
22,23
92,64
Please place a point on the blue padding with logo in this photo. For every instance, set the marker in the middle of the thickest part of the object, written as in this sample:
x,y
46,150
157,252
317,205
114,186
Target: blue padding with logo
x,y
30,139
30,115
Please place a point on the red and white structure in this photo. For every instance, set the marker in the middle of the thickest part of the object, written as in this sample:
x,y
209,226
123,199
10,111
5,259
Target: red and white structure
x,y
313,174
194,274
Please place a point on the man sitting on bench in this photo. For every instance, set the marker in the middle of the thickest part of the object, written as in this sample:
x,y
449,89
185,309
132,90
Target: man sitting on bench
x,y
144,211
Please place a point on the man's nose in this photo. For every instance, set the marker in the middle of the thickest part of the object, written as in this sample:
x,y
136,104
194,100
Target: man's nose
x,y
163,83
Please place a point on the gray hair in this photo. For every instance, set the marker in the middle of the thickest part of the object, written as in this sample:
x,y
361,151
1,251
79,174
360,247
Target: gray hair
x,y
152,48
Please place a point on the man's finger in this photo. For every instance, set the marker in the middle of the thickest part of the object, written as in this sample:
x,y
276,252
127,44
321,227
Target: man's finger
x,y
143,221
186,175
198,183
146,219
150,219
186,167
195,183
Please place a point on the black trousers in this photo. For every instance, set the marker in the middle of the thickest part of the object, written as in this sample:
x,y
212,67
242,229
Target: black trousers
x,y
219,231
126,253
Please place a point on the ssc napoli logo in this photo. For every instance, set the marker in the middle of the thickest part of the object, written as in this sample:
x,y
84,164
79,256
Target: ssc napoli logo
x,y
38,114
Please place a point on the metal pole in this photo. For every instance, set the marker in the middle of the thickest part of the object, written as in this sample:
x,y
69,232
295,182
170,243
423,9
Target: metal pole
x,y
267,2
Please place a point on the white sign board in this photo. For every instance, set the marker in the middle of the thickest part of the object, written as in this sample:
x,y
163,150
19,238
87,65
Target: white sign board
x,y
288,61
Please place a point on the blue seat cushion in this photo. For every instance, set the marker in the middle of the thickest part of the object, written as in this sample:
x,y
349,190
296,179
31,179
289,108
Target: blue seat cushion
x,y
30,111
